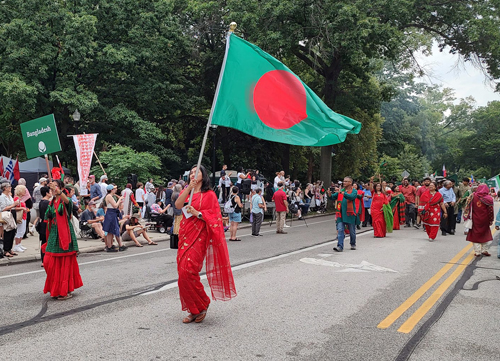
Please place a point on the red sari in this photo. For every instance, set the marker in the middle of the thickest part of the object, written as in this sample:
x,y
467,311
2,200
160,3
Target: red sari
x,y
431,213
378,220
482,216
199,239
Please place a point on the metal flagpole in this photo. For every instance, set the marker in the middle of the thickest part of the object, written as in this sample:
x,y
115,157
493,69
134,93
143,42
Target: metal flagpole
x,y
232,27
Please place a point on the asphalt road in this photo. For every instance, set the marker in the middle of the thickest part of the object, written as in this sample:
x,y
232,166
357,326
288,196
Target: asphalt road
x,y
297,300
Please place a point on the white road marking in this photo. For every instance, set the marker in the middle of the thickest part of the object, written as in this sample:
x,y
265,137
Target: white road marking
x,y
256,263
363,266
143,253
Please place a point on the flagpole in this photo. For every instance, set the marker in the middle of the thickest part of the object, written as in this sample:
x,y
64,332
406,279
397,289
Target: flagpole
x,y
232,27
48,167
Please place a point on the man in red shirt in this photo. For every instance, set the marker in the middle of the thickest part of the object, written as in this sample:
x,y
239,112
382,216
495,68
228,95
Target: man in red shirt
x,y
424,188
281,204
409,192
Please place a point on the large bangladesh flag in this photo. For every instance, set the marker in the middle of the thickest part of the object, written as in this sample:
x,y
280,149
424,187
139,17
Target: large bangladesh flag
x,y
260,96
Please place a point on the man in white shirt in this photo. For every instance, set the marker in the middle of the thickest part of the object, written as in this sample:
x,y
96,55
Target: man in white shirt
x,y
103,186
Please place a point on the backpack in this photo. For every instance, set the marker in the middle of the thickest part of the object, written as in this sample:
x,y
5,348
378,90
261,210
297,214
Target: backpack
x,y
228,206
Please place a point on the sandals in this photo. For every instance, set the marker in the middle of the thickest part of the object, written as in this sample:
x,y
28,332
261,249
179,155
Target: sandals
x,y
62,298
196,318
153,244
486,253
201,316
190,318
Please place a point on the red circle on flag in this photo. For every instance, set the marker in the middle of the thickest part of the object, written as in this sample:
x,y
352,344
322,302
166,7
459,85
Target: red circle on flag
x,y
280,99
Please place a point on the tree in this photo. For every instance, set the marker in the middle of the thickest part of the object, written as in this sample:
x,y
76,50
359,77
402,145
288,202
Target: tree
x,y
120,161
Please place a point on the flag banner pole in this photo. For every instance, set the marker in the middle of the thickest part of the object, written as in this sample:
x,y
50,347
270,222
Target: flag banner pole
x,y
100,163
48,167
232,27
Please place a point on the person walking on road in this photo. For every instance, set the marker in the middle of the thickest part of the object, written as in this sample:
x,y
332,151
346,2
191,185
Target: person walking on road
x,y
61,266
430,214
367,201
202,235
409,192
346,213
479,208
379,198
281,207
448,222
111,225
418,201
397,203
463,193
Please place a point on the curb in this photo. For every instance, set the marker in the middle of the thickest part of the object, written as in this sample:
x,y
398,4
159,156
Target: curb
x,y
96,249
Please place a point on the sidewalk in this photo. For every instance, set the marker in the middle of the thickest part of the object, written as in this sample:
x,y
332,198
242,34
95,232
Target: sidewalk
x,y
32,243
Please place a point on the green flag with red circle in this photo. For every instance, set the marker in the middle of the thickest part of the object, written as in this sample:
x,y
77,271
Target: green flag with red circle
x,y
260,96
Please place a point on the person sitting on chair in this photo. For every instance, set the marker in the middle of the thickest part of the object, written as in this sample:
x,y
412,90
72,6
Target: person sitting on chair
x,y
132,229
161,213
88,216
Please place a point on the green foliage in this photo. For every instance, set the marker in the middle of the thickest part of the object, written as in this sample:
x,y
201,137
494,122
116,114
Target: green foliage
x,y
119,161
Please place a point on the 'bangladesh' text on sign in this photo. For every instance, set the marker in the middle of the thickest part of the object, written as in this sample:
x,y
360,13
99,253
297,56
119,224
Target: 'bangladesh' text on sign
x,y
40,136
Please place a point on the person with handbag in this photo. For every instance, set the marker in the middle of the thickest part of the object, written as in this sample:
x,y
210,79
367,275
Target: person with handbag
x,y
7,204
235,216
430,214
202,236
21,215
41,226
479,210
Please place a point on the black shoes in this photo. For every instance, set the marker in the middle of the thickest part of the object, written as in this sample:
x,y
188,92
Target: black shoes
x,y
353,248
111,249
122,248
444,233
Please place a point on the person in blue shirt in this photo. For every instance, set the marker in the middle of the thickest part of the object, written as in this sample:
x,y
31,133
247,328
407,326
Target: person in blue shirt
x,y
449,199
367,200
258,208
95,190
496,236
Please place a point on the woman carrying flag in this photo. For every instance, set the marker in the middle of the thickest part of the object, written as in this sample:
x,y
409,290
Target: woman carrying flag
x,y
202,236
379,198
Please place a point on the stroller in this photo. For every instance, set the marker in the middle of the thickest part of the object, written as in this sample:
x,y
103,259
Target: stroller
x,y
86,231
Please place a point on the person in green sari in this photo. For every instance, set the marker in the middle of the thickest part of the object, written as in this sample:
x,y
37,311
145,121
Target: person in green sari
x,y
398,208
63,274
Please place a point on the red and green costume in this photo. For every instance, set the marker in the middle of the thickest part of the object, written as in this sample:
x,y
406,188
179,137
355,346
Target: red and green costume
x,y
63,274
398,210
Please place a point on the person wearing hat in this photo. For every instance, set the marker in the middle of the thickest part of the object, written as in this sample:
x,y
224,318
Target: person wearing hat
x,y
132,229
111,224
88,216
37,196
103,184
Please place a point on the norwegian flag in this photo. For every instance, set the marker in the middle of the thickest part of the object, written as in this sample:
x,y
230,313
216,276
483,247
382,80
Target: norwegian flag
x,y
9,171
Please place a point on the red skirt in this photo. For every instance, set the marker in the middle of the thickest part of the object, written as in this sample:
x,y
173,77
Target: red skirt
x,y
378,222
63,274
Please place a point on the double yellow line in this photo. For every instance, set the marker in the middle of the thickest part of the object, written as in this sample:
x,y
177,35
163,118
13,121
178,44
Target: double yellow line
x,y
415,318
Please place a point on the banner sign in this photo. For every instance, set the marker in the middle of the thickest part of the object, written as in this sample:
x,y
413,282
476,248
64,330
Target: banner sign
x,y
40,136
491,183
84,145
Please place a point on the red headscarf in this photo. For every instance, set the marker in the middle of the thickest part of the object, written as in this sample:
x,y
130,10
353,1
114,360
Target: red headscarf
x,y
483,193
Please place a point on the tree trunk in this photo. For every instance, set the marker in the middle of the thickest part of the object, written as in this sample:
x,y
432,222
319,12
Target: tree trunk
x,y
326,165
285,159
330,92
310,168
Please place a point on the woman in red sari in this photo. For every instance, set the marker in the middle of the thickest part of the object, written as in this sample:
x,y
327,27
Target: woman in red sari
x,y
379,198
430,216
202,235
480,204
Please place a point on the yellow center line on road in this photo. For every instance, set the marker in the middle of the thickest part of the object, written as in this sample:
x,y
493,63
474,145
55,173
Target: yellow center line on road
x,y
408,326
389,320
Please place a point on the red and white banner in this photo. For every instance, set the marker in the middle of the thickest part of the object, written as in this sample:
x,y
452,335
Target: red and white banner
x,y
84,145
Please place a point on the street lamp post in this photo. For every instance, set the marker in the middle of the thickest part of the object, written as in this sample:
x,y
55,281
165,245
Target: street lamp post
x,y
214,128
76,119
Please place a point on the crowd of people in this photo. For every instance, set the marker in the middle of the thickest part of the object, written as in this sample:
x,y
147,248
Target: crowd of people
x,y
194,218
